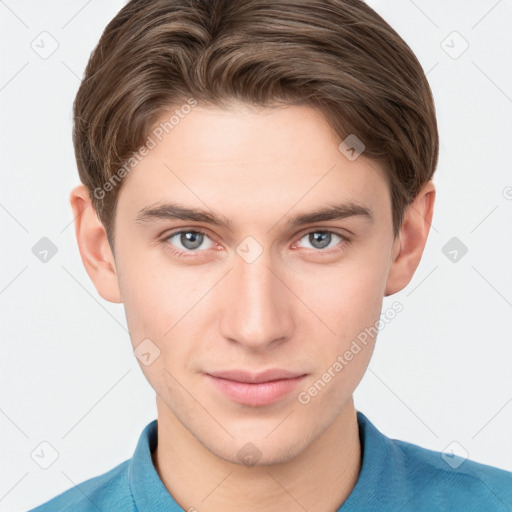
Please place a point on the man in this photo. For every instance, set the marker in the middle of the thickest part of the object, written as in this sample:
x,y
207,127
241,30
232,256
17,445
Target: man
x,y
256,178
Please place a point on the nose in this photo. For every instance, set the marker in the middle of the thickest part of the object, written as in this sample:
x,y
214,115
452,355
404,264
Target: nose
x,y
258,307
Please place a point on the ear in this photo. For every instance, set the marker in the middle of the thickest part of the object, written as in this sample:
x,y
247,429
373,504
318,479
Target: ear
x,y
408,246
93,245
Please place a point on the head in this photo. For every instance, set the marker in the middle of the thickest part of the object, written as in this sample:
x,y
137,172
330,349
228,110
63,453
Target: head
x,y
208,136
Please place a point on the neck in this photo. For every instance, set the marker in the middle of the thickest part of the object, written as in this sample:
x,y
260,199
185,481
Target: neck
x,y
319,479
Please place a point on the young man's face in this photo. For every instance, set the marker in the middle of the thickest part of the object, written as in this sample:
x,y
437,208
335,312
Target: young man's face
x,y
262,293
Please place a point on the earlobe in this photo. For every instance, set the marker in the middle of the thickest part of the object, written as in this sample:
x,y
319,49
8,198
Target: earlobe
x,y
409,245
93,245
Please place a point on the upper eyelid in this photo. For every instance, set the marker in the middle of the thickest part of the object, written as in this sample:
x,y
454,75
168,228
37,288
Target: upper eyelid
x,y
186,230
320,230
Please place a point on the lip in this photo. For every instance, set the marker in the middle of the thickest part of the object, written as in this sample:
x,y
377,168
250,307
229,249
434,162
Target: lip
x,y
255,389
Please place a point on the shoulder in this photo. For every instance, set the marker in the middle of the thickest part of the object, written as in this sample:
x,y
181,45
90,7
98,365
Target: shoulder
x,y
108,491
452,482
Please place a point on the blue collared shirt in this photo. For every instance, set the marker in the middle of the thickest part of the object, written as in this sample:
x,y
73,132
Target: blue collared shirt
x,y
395,476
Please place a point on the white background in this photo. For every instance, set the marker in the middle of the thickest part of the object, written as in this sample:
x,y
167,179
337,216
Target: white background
x,y
441,370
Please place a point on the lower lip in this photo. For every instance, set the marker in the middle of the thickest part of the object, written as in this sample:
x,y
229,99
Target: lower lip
x,y
263,393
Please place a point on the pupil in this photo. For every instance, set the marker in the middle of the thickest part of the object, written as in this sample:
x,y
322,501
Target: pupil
x,y
321,236
191,239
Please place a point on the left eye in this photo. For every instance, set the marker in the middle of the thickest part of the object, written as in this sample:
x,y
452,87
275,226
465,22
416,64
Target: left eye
x,y
321,239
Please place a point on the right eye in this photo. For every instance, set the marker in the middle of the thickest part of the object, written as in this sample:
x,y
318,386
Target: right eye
x,y
190,240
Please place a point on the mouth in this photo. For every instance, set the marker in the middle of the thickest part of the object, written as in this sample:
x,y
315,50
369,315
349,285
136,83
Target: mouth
x,y
255,389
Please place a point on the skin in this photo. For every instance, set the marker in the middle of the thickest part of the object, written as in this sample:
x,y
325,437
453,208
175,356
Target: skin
x,y
294,307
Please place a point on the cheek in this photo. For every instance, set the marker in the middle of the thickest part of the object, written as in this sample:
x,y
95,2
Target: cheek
x,y
347,298
159,315
163,304
150,296
350,305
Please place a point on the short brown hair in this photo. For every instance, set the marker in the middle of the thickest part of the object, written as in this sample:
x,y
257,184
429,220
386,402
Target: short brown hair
x,y
337,56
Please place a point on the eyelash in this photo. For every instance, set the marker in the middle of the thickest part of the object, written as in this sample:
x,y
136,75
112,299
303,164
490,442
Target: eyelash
x,y
186,254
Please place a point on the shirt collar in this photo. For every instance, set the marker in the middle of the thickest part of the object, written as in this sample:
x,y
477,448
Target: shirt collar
x,y
382,467
148,491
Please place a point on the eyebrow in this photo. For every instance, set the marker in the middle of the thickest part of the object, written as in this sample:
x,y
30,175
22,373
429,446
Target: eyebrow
x,y
174,211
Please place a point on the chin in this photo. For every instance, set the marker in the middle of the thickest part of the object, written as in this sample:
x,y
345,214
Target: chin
x,y
254,447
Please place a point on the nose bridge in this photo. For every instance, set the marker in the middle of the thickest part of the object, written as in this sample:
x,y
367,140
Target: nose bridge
x,y
256,312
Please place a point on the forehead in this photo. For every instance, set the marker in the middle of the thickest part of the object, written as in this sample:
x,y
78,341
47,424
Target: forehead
x,y
250,159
